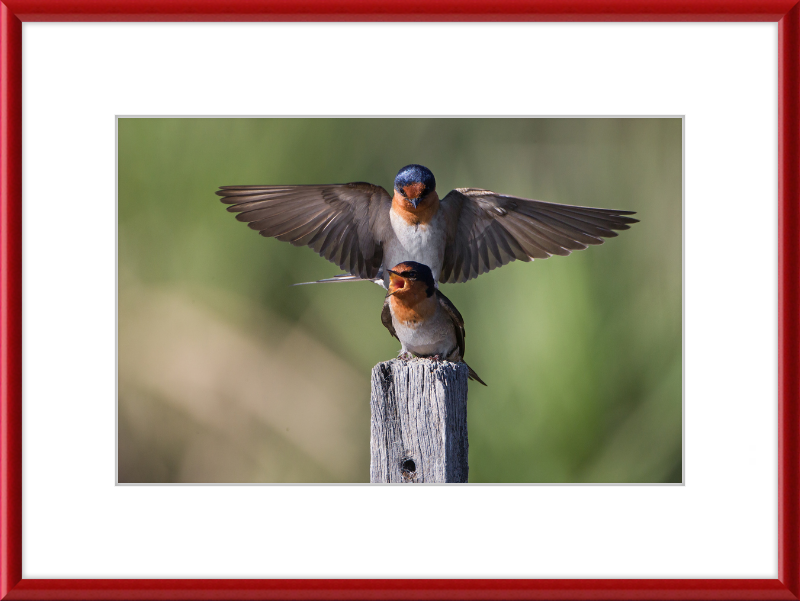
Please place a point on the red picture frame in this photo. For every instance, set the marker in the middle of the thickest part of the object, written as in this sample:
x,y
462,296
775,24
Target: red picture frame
x,y
13,12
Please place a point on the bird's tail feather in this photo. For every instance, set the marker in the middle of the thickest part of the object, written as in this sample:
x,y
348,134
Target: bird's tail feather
x,y
343,277
473,375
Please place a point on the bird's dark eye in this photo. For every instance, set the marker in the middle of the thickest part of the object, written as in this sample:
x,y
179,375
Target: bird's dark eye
x,y
413,275
406,274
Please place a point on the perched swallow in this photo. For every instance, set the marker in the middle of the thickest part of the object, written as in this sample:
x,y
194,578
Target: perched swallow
x,y
423,319
470,231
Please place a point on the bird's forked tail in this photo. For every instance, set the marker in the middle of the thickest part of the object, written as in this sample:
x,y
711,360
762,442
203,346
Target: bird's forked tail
x,y
345,277
473,375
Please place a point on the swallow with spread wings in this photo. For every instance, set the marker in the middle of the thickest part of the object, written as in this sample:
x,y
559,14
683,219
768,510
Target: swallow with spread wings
x,y
364,230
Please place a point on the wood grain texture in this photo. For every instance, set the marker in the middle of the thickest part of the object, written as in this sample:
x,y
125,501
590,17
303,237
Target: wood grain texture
x,y
419,422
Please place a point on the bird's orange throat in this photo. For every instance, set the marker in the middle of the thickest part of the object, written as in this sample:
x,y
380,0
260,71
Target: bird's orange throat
x,y
411,306
413,190
424,212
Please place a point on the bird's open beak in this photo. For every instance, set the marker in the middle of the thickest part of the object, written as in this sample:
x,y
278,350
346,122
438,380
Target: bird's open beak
x,y
396,282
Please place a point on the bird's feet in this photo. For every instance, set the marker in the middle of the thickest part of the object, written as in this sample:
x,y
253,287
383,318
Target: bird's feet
x,y
405,356
436,358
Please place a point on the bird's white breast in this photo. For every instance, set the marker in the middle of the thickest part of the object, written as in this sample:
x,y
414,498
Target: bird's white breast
x,y
423,243
433,336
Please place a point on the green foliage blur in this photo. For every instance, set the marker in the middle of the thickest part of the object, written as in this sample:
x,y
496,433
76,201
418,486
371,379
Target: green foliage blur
x,y
228,374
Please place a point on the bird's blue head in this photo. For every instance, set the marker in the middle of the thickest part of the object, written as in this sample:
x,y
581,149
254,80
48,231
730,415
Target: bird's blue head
x,y
414,182
409,275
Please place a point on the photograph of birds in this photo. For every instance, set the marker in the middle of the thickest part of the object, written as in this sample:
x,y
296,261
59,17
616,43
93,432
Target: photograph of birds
x,y
428,240
228,373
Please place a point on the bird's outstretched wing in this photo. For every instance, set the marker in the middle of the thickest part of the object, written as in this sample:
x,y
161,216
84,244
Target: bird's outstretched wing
x,y
386,318
344,223
487,230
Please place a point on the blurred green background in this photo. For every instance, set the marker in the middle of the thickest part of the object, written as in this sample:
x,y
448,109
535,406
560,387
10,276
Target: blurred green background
x,y
228,374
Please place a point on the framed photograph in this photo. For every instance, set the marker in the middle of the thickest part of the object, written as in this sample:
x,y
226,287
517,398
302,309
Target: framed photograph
x,y
139,320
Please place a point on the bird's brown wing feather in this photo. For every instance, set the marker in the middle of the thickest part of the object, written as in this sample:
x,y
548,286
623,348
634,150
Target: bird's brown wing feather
x,y
345,223
487,230
461,333
386,317
455,317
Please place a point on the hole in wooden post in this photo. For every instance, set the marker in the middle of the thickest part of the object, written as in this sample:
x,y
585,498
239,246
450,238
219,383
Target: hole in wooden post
x,y
408,468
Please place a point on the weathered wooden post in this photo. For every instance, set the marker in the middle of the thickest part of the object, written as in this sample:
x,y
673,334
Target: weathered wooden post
x,y
419,422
